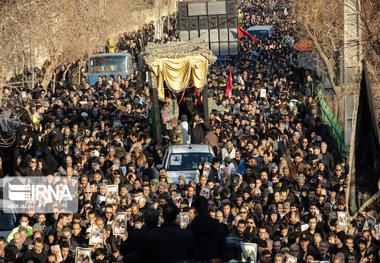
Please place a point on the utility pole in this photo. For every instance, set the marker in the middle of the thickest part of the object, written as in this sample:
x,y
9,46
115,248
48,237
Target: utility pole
x,y
352,55
168,17
352,41
158,20
351,76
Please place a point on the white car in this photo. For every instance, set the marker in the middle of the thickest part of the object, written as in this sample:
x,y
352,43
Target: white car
x,y
184,159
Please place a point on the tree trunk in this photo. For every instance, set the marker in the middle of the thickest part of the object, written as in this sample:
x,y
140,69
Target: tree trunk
x,y
65,72
1,95
54,80
339,109
326,61
48,76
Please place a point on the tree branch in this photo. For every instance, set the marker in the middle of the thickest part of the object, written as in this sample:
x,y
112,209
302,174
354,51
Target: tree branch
x,y
326,61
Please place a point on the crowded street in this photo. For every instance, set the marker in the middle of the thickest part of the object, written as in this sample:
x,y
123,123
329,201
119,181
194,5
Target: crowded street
x,y
258,167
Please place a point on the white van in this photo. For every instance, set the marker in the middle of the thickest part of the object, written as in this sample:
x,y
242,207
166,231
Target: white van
x,y
261,31
184,159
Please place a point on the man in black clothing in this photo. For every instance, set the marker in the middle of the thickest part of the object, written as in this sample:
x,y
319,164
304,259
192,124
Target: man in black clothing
x,y
77,234
136,237
169,243
214,173
208,233
198,130
66,254
37,253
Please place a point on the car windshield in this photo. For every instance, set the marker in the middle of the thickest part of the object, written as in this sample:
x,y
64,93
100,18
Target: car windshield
x,y
6,221
108,64
187,161
260,34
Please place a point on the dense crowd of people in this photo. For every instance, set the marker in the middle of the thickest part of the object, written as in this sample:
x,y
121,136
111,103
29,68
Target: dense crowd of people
x,y
273,181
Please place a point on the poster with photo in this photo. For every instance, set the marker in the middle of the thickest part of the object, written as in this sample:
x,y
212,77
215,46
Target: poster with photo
x,y
304,227
368,224
82,255
205,192
56,250
251,250
206,169
224,173
160,221
119,227
184,219
96,235
377,228
138,197
342,219
112,194
175,159
177,199
263,93
100,199
284,240
290,259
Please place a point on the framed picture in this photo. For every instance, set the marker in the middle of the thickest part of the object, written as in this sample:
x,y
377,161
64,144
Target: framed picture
x,y
205,192
82,255
284,240
342,219
184,219
175,159
112,194
377,228
96,235
290,259
56,250
177,199
304,227
100,199
206,169
368,224
224,173
119,227
263,93
251,250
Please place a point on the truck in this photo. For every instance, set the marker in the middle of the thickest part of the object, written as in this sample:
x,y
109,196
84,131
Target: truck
x,y
107,64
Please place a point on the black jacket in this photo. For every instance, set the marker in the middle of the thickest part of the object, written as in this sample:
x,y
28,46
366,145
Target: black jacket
x,y
209,237
167,244
134,241
31,254
197,133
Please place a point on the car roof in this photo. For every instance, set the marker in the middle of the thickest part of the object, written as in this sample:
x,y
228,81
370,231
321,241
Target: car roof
x,y
259,28
186,148
110,55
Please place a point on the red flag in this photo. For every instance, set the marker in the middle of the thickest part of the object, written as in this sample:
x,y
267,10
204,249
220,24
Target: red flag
x,y
242,33
229,85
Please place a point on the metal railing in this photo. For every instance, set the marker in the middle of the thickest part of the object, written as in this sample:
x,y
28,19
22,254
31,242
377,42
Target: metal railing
x,y
329,118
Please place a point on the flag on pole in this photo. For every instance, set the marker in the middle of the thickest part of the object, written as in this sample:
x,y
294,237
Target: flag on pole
x,y
243,33
229,85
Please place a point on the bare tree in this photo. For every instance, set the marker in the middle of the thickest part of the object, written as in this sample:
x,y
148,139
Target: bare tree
x,y
47,34
321,21
60,32
370,21
44,34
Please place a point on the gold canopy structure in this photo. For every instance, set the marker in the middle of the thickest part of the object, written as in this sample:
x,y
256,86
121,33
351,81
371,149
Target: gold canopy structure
x,y
177,63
